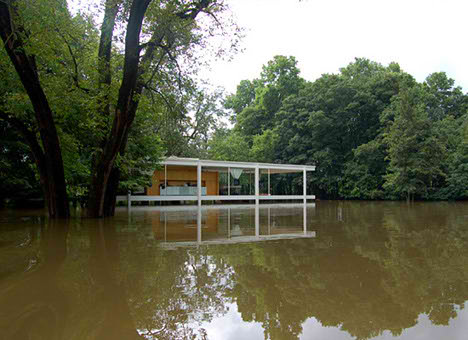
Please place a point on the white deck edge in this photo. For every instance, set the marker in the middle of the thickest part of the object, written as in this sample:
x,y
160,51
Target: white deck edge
x,y
237,239
169,208
145,198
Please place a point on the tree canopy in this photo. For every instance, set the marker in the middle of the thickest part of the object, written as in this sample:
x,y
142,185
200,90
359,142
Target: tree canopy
x,y
95,102
373,131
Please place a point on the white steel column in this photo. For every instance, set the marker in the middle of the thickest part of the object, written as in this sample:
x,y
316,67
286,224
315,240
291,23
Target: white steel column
x,y
257,201
257,184
165,180
199,183
268,182
305,219
199,225
129,199
269,228
199,194
229,181
229,222
165,226
257,220
305,186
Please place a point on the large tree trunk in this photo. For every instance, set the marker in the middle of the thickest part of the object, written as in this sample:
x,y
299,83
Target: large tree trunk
x,y
105,80
111,192
127,103
124,115
25,65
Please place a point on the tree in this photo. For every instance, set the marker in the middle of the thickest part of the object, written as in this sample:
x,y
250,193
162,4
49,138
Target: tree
x,y
414,151
442,98
364,174
278,80
171,29
330,118
458,175
157,37
342,124
49,159
244,96
229,145
264,147
187,128
17,176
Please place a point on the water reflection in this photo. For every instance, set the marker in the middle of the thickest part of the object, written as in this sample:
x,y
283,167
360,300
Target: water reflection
x,y
374,270
34,303
229,224
67,294
115,321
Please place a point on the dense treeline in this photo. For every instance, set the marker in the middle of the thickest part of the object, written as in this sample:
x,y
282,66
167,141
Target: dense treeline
x,y
91,100
373,131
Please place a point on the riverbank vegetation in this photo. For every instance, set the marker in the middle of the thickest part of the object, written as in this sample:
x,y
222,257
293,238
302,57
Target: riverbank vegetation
x,y
87,98
373,131
88,110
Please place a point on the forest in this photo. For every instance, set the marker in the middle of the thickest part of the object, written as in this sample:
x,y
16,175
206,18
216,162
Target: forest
x,y
88,110
373,131
88,97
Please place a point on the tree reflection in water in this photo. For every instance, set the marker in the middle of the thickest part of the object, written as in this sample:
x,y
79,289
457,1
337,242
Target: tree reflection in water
x,y
373,267
35,303
364,276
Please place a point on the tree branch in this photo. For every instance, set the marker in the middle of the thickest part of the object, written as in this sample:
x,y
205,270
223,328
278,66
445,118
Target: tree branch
x,y
75,77
192,13
29,136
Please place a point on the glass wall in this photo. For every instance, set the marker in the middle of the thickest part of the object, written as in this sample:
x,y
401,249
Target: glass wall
x,y
236,181
280,182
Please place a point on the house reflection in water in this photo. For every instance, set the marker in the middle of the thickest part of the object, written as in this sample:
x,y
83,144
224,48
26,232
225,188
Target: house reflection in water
x,y
231,223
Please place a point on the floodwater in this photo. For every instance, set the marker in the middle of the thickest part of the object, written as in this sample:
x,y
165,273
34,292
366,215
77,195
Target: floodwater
x,y
351,270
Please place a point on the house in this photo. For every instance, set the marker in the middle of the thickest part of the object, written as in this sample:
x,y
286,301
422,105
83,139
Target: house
x,y
192,179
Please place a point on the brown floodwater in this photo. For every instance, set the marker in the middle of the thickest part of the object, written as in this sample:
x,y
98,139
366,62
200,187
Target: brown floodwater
x,y
329,270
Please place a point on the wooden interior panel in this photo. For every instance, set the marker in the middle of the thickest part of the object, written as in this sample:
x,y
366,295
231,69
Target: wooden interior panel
x,y
178,175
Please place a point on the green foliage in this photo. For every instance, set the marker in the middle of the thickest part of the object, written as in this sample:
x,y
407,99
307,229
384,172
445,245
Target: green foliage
x,y
229,145
458,169
372,131
442,98
333,116
244,96
173,115
364,174
143,154
264,147
18,178
414,151
278,80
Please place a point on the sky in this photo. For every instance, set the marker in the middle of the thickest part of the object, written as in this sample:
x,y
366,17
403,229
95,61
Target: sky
x,y
422,36
231,327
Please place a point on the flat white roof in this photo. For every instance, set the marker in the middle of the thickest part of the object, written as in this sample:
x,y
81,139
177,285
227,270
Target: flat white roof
x,y
229,164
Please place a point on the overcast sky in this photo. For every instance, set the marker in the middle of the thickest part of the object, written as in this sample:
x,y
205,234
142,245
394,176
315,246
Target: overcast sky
x,y
325,35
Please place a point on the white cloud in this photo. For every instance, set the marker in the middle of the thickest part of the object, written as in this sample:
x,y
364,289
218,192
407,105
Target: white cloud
x,y
231,327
